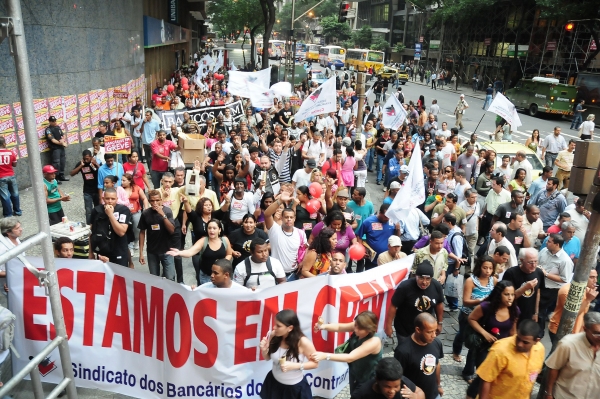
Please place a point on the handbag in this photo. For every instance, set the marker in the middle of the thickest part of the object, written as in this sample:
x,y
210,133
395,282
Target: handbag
x,y
473,339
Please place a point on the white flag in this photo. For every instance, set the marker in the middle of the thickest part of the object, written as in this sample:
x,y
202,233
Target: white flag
x,y
355,108
369,92
259,96
233,67
412,192
507,110
282,89
394,114
321,101
219,61
238,81
206,61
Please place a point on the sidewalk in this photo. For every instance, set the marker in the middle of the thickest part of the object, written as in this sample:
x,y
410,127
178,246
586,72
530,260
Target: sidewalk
x,y
462,89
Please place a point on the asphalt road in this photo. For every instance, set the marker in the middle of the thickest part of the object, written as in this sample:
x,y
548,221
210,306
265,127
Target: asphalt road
x,y
447,100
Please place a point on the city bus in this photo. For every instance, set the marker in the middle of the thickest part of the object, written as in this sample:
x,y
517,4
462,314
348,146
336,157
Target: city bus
x,y
332,55
361,59
312,52
276,49
300,51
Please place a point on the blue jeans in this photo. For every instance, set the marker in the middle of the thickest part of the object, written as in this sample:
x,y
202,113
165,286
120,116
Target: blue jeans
x,y
342,129
458,342
379,167
452,302
9,195
137,146
154,262
203,278
90,201
577,119
370,155
488,101
549,158
156,177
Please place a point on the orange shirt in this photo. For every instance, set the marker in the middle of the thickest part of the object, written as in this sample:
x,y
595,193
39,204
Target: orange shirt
x,y
560,304
166,106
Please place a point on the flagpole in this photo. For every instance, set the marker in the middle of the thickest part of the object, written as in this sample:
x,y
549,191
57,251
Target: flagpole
x,y
479,123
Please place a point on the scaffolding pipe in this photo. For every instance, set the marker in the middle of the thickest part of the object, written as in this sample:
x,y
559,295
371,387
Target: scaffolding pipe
x,y
19,47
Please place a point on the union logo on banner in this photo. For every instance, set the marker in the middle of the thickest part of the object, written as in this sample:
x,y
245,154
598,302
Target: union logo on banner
x,y
46,366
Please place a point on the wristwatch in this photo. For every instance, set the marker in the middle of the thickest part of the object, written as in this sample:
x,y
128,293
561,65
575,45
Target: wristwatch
x,y
164,216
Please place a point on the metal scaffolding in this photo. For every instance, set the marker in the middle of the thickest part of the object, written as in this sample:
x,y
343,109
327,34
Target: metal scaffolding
x,y
11,27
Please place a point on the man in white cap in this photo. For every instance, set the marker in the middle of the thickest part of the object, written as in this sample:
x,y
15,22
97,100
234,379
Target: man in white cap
x,y
393,253
459,111
394,188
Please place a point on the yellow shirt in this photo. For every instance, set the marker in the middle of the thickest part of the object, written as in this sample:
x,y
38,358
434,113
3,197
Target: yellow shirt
x,y
387,258
511,372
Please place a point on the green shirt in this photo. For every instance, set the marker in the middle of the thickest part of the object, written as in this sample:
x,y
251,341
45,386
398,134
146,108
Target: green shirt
x,y
361,212
458,212
53,194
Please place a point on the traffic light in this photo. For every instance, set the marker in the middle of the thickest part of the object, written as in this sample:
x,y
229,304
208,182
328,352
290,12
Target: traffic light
x,y
569,27
344,7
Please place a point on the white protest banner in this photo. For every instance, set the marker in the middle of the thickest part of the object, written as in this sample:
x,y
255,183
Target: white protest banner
x,y
114,145
140,335
412,192
507,110
260,97
394,113
321,101
200,115
238,81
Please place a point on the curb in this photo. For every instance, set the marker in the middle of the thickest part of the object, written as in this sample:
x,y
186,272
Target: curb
x,y
471,95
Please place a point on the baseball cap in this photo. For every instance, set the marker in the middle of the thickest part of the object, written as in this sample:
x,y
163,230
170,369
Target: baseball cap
x,y
347,142
394,185
49,169
424,269
343,193
394,241
432,147
311,163
404,169
442,189
52,119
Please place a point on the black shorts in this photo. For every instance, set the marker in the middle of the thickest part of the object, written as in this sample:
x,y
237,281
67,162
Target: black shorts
x,y
585,137
56,217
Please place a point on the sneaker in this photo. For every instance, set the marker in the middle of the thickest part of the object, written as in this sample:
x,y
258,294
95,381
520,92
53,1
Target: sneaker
x,y
384,189
136,246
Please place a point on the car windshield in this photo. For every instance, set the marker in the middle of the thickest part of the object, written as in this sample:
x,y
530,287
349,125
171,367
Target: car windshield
x,y
535,162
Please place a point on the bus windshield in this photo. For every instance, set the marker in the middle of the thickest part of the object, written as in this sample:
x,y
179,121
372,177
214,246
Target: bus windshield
x,y
375,56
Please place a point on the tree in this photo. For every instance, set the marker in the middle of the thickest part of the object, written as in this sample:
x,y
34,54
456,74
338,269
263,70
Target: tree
x,y
363,37
332,28
284,16
268,11
380,44
235,17
399,47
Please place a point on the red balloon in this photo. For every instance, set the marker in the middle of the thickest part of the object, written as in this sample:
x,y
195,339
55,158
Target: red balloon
x,y
315,190
164,93
313,205
170,88
184,81
185,86
156,97
219,76
357,251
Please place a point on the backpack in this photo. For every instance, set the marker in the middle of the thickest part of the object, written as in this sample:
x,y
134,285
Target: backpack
x,y
346,76
310,142
466,253
102,237
7,330
250,274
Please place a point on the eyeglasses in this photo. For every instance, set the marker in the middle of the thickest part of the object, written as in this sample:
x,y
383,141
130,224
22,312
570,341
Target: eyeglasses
x,y
448,171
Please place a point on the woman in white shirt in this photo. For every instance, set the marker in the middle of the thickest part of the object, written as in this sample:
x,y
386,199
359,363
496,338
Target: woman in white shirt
x,y
289,350
587,128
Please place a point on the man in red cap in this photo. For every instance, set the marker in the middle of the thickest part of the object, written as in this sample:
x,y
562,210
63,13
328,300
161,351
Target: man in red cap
x,y
54,196
57,141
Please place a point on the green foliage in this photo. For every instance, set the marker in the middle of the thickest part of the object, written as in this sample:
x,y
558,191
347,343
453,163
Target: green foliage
x,y
569,9
380,44
399,47
332,28
363,37
284,16
232,16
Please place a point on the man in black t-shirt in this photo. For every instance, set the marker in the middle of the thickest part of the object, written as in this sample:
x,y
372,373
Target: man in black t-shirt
x,y
88,167
515,234
389,383
527,278
285,115
422,294
504,211
157,223
119,218
420,356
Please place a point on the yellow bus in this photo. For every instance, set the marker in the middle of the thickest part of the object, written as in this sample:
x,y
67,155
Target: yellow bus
x,y
361,60
312,52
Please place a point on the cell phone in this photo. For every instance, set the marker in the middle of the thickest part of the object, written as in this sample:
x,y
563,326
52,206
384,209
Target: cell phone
x,y
268,334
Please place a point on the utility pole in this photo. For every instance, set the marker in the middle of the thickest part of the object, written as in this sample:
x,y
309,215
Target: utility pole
x,y
360,90
587,152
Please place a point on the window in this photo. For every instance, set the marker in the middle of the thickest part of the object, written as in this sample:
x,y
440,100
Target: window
x,y
375,56
381,13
